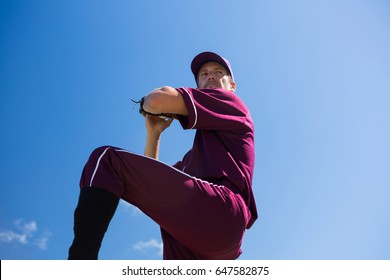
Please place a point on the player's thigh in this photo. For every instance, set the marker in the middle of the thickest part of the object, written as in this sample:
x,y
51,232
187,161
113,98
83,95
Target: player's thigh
x,y
192,210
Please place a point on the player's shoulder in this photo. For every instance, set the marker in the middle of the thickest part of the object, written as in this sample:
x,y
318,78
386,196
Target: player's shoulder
x,y
217,93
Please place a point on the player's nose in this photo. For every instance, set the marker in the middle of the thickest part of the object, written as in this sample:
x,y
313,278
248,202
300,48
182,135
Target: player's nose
x,y
211,76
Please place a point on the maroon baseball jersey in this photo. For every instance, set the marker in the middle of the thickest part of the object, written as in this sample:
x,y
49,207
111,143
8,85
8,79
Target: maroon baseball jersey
x,y
223,151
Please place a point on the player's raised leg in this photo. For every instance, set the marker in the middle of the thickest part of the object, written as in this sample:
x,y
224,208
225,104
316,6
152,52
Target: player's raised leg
x,y
202,217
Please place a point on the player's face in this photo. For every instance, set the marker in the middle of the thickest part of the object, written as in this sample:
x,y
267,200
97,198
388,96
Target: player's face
x,y
214,75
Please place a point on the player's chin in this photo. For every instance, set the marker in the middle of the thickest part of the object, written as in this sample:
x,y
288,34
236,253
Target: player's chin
x,y
212,86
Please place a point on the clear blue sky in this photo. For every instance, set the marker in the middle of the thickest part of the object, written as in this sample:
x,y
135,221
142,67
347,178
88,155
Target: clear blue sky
x,y
315,75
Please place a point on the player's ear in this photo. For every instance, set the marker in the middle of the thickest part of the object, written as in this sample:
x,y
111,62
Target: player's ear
x,y
232,86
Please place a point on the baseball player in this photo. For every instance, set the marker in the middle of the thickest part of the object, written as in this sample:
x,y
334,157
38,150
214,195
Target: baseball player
x,y
204,203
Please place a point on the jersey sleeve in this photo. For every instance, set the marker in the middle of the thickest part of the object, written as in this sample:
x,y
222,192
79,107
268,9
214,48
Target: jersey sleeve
x,y
212,109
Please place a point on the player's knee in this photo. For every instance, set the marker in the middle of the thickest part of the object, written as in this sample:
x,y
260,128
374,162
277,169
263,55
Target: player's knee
x,y
98,152
101,149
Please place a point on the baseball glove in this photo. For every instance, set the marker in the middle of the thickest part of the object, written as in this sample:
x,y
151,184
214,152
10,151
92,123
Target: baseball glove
x,y
143,112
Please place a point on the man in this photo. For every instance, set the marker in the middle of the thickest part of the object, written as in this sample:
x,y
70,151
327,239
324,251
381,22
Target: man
x,y
203,203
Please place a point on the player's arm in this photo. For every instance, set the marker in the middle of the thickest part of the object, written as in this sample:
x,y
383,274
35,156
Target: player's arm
x,y
154,127
165,100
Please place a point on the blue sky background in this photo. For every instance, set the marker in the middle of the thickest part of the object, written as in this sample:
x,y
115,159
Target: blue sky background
x,y
315,75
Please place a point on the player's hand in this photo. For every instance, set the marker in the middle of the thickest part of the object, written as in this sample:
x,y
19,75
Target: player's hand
x,y
156,125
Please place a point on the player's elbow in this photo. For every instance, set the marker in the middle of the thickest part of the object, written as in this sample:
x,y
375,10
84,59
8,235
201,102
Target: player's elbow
x,y
165,100
154,101
158,100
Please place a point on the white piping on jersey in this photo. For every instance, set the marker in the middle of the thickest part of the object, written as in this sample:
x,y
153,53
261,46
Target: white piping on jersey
x,y
97,166
193,105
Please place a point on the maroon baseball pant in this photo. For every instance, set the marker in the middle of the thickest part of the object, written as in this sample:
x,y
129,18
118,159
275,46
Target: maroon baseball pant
x,y
198,219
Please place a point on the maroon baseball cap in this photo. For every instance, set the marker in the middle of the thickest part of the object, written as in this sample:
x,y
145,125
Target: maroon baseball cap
x,y
205,57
